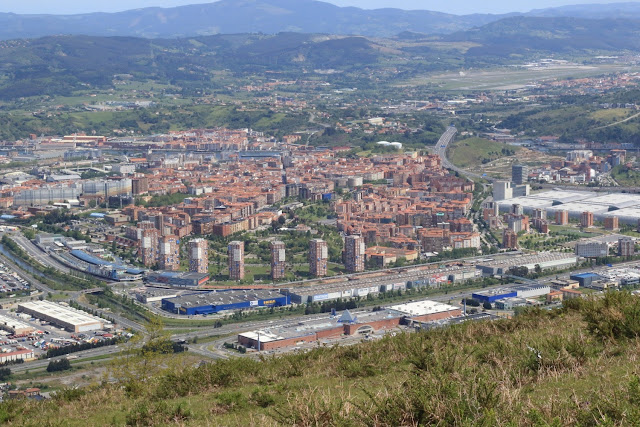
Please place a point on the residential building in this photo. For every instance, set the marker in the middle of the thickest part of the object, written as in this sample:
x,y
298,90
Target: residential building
x,y
235,253
586,219
562,217
278,260
198,256
318,257
354,253
169,253
149,246
509,239
626,247
611,223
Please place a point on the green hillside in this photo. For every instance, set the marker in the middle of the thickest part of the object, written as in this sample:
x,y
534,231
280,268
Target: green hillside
x,y
573,366
478,151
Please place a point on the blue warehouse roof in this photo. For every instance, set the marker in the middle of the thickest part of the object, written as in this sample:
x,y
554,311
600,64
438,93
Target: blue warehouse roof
x,y
83,256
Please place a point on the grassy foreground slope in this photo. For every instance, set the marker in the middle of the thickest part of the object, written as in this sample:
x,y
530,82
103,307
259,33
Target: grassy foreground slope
x,y
574,366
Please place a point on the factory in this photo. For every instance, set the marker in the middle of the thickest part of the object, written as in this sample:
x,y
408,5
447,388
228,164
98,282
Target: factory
x,y
66,317
150,295
546,260
217,301
585,279
177,280
363,286
425,311
522,291
15,326
82,261
332,292
625,206
346,324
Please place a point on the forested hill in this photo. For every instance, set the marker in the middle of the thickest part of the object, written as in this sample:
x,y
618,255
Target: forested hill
x,y
240,16
274,16
61,65
523,35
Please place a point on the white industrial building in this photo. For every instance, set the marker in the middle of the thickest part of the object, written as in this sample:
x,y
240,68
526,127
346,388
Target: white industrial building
x,y
423,308
69,318
625,206
546,260
15,326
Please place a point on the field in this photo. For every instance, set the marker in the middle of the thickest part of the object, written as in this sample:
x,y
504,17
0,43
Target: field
x,y
527,371
473,152
494,158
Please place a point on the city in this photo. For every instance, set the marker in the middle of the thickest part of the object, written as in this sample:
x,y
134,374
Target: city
x,y
332,221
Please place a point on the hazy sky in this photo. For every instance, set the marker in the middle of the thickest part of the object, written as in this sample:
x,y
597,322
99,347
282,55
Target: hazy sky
x,y
451,6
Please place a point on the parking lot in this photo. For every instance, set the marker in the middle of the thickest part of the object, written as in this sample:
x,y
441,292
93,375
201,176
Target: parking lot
x,y
11,282
44,336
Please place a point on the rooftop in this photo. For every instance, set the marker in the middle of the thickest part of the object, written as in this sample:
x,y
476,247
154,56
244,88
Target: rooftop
x,y
65,314
421,308
223,297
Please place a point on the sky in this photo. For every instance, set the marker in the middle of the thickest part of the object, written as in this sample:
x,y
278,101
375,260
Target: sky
x,y
450,6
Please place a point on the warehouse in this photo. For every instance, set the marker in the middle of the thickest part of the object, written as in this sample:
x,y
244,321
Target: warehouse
x,y
15,326
510,303
332,292
347,324
425,311
312,330
531,291
217,301
69,318
585,279
15,355
149,295
494,295
546,260
178,280
626,206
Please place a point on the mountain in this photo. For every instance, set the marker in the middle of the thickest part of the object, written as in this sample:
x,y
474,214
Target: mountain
x,y
239,16
60,65
630,10
521,35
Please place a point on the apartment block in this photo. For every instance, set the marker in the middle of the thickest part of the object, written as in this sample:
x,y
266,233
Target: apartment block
x,y
198,256
235,252
318,257
278,260
354,253
169,253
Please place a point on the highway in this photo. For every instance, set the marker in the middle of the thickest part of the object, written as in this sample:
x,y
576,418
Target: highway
x,y
39,255
441,151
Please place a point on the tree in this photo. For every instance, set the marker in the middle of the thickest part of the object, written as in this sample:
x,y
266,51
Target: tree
x,y
487,306
5,373
59,365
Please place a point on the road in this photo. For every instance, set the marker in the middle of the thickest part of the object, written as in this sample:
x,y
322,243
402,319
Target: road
x,y
441,150
108,350
618,122
73,296
38,254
